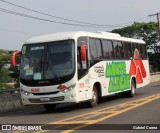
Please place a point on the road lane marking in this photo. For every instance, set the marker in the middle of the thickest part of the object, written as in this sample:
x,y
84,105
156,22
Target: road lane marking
x,y
112,108
77,122
90,118
104,113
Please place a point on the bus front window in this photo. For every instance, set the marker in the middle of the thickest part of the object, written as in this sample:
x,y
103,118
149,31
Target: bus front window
x,y
60,60
32,61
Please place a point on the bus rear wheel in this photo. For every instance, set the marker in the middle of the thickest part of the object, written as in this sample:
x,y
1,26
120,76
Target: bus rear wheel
x,y
94,101
132,91
50,107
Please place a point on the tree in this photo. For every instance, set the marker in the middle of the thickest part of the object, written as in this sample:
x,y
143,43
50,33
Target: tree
x,y
7,73
5,78
4,58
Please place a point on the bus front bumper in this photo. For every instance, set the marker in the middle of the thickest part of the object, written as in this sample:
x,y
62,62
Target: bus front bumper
x,y
31,99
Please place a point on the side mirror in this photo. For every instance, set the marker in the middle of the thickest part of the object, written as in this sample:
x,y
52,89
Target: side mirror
x,y
13,58
83,56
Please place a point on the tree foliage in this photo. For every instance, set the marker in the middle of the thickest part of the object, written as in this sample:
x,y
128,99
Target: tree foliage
x,y
6,73
4,58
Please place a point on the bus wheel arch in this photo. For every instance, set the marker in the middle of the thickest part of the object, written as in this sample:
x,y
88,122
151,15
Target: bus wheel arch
x,y
132,91
96,93
99,89
134,79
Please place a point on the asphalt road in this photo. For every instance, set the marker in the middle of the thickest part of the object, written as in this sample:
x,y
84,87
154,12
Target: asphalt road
x,y
144,108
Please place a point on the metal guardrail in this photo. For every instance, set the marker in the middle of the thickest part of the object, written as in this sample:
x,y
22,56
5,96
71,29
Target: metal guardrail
x,y
18,89
9,90
155,73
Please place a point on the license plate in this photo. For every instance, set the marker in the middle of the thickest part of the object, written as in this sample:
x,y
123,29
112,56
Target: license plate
x,y
45,99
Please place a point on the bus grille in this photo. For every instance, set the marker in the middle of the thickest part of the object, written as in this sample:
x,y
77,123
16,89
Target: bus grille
x,y
45,93
52,99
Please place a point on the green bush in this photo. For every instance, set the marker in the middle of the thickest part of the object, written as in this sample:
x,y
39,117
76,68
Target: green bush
x,y
4,75
153,69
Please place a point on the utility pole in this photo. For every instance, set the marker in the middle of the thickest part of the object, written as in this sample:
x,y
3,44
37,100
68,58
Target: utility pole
x,y
157,14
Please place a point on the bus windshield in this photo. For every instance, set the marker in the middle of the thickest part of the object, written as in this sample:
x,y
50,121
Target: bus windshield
x,y
43,61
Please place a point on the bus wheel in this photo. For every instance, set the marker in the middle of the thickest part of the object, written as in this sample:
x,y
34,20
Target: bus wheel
x,y
94,101
50,107
131,92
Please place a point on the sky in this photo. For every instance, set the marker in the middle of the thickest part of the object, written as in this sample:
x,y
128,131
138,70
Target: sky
x,y
16,30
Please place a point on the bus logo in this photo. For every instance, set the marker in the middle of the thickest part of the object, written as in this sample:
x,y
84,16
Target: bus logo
x,y
35,90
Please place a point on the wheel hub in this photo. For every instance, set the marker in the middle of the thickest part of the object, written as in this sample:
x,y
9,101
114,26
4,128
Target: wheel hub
x,y
94,97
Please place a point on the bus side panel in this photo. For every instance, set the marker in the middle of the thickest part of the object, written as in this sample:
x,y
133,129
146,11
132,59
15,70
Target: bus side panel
x,y
114,77
117,75
95,74
83,89
145,74
140,70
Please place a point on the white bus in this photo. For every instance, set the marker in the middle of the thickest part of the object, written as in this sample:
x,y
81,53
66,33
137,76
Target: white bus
x,y
73,67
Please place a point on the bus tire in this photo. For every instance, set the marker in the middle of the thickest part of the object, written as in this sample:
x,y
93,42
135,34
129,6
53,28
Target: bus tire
x,y
94,101
50,107
132,91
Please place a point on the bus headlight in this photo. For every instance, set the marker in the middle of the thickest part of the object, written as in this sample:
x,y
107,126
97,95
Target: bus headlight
x,y
69,88
25,92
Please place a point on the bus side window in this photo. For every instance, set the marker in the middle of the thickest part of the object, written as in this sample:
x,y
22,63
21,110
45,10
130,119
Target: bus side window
x,y
78,58
129,50
125,50
121,53
99,49
137,46
141,51
116,49
105,49
93,51
135,49
110,48
144,51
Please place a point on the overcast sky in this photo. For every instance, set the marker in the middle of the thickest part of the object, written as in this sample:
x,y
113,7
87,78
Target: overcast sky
x,y
15,30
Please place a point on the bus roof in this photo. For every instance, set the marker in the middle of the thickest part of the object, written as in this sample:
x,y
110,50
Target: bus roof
x,y
76,34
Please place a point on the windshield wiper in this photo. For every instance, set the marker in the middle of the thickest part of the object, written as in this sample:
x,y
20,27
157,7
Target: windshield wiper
x,y
48,65
53,72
